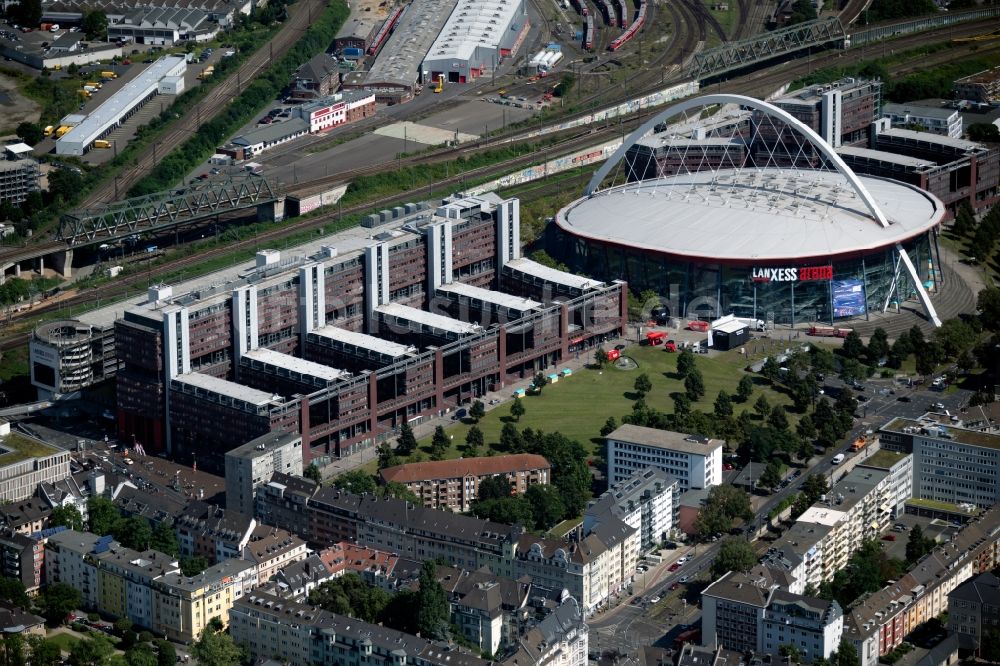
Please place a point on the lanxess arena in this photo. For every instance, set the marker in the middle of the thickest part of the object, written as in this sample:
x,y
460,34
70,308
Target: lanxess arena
x,y
784,232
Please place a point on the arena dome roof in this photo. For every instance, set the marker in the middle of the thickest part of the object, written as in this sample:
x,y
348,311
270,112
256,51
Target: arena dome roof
x,y
752,215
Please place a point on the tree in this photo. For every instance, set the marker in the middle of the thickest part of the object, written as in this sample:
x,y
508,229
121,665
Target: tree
x,y
735,554
538,382
164,540
134,533
44,652
984,132
439,443
12,590
30,133
792,652
989,647
65,184
101,515
351,595
643,385
744,389
494,487
122,625
517,409
141,655
357,482
95,24
477,411
93,651
433,611
600,357
762,407
778,419
386,456
878,346
918,545
510,439
474,439
771,370
57,601
711,521
505,510
26,12
847,655
694,385
546,503
609,426
723,405
13,650
407,442
165,653
853,347
192,566
814,487
216,649
312,473
771,478
685,362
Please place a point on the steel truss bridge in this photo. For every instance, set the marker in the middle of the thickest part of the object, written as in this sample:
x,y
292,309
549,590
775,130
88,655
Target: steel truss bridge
x,y
162,210
821,32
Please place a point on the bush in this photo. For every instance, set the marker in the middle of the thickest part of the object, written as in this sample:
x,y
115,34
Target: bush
x,y
93,617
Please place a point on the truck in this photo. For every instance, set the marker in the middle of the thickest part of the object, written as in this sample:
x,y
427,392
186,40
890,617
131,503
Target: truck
x,y
91,89
62,130
102,143
837,459
49,129
83,93
108,75
700,326
655,338
207,72
93,84
859,444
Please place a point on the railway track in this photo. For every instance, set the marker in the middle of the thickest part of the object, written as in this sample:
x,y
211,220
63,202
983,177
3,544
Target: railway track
x,y
299,18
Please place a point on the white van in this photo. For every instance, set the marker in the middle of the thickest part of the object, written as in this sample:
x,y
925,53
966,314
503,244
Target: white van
x,y
837,459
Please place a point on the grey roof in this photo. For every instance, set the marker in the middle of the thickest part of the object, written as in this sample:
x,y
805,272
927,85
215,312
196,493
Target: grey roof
x,y
214,574
625,495
14,620
295,364
483,590
814,604
267,542
297,574
215,522
153,503
273,132
665,439
263,444
892,109
359,27
735,586
363,341
553,629
960,144
400,59
320,66
292,484
26,511
78,542
983,589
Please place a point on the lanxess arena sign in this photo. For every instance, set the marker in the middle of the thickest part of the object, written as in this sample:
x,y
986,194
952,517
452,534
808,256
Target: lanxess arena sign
x,y
804,274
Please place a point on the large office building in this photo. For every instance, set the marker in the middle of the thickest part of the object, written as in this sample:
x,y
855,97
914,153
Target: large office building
x,y
25,463
344,344
765,222
950,463
250,466
694,461
933,119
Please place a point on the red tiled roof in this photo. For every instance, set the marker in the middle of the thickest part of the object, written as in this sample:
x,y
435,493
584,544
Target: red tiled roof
x,y
453,469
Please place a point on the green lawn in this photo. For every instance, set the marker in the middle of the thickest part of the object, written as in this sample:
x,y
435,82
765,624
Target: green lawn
x,y
577,406
64,641
15,448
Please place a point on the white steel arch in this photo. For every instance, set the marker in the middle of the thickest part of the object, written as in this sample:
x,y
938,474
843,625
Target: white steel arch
x,y
815,139
758,105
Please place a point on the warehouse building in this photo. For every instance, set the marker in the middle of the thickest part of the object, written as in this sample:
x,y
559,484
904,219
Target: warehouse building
x,y
120,106
477,37
356,33
162,26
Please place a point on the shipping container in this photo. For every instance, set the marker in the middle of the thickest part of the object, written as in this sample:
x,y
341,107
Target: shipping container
x,y
352,52
62,130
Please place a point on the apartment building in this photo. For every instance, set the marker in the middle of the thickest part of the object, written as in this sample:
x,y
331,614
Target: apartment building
x,y
270,627
25,517
950,463
694,461
250,466
562,638
209,531
146,587
271,549
189,366
933,119
454,484
750,613
21,558
799,554
878,624
974,609
281,502
900,469
26,462
376,567
647,501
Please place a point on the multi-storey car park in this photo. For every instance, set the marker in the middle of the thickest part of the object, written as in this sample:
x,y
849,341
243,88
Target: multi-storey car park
x,y
343,344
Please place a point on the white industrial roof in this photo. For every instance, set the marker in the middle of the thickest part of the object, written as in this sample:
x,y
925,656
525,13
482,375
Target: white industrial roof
x,y
490,296
399,60
109,112
428,319
728,325
18,148
883,156
927,137
226,388
299,365
364,341
474,23
553,275
752,214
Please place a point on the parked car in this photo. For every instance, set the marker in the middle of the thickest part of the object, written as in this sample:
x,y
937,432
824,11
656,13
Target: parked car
x,y
674,567
654,600
889,537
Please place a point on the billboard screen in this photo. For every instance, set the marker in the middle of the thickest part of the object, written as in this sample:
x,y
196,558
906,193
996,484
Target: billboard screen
x,y
848,298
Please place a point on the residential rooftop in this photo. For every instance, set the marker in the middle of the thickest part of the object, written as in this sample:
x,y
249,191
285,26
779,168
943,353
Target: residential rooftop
x,y
936,430
16,447
451,469
883,459
665,439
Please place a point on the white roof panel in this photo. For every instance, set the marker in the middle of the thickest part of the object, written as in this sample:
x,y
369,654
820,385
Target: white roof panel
x,y
553,275
474,23
226,388
299,365
364,341
490,296
428,319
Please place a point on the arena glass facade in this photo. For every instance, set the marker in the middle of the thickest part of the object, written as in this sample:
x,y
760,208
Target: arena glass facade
x,y
854,287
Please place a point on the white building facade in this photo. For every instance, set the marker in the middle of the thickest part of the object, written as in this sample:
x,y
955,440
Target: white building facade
x,y
694,461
